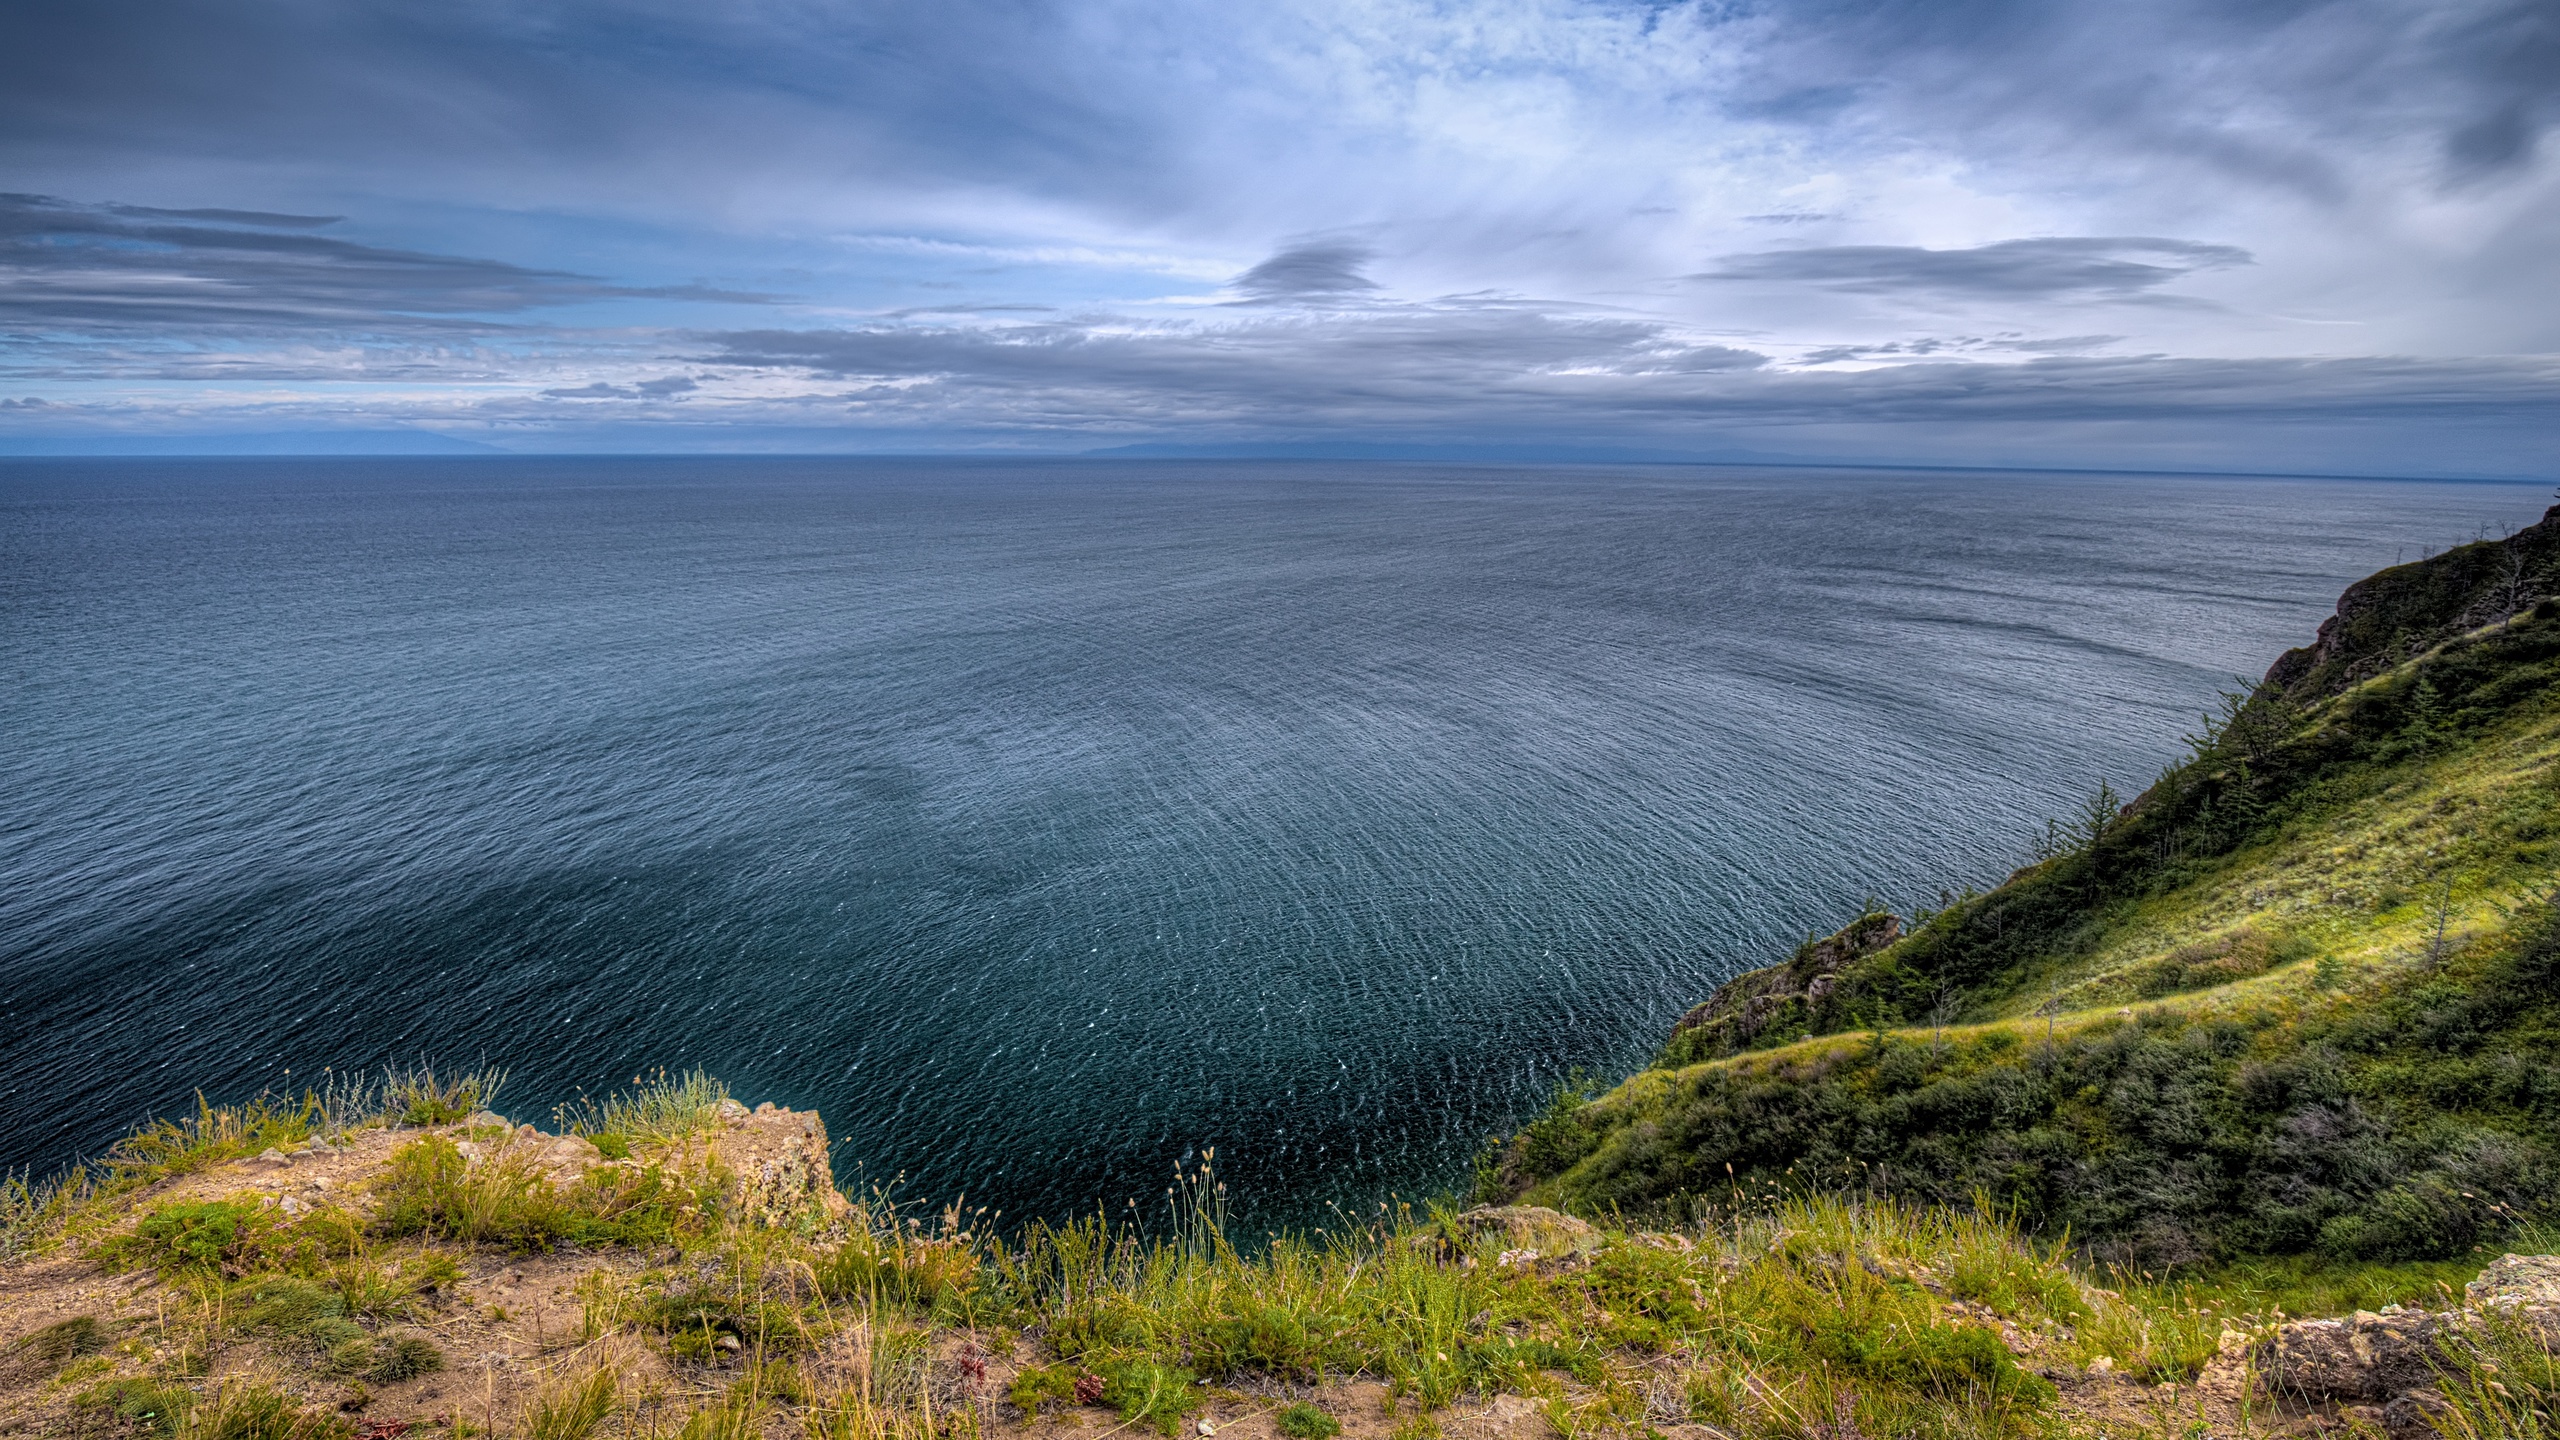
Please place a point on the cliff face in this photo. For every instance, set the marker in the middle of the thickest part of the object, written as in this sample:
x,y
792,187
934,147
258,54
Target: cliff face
x,y
2299,995
1781,1002
2395,615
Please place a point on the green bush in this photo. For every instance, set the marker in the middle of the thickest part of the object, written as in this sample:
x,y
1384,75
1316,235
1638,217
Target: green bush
x,y
1149,1392
149,1406
204,1237
1036,1387
1302,1421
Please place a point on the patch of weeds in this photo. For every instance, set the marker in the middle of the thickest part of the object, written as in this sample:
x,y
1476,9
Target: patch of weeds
x,y
386,1361
213,1134
423,1097
209,1237
1422,1426
2498,1380
31,1358
656,1109
705,1327
1302,1421
429,1188
735,1420
771,1382
33,1212
1274,1339
924,1274
254,1412
1149,1392
292,1306
151,1406
1036,1386
573,1409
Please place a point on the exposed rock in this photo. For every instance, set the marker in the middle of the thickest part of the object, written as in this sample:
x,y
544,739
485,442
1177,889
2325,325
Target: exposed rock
x,y
2526,1287
1750,1005
2365,1356
778,1165
2389,1358
1528,1232
482,1119
731,1112
2516,1280
2413,1414
2401,612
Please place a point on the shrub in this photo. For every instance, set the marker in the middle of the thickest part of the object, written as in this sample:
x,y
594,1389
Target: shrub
x,y
1035,1386
1144,1390
206,1237
1302,1421
150,1406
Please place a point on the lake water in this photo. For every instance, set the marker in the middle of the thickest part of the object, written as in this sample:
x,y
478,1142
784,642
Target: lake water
x,y
1040,822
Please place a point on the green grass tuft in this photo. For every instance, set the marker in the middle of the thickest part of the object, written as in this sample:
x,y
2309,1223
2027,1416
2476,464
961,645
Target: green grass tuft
x,y
1302,1421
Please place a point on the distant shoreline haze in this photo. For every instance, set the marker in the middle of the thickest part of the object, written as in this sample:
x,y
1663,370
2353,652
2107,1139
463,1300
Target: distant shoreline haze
x,y
1044,822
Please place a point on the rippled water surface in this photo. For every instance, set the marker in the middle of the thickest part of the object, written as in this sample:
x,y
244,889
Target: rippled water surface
x,y
1041,821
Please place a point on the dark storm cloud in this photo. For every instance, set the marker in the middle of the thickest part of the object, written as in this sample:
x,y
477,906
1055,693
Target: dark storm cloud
x,y
2062,268
1311,271
126,267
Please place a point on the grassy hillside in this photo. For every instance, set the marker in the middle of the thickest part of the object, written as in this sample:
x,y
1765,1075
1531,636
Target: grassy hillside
x,y
2299,995
395,1258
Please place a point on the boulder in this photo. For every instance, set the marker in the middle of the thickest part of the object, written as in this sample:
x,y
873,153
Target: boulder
x,y
2516,1280
777,1162
2526,1287
2366,1356
1527,1232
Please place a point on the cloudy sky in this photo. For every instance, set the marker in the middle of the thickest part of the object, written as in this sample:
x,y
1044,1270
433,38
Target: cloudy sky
x,y
2263,234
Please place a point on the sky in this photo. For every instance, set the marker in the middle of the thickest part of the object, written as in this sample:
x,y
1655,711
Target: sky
x,y
2290,235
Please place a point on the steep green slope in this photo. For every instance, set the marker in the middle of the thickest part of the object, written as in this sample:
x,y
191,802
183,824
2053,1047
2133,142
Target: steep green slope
x,y
2300,994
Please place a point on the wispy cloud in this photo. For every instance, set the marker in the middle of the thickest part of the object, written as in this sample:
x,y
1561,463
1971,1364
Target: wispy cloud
x,y
130,267
2052,268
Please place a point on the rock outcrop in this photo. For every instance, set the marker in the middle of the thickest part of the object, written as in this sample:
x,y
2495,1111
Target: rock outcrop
x,y
2384,1366
2401,612
1527,1232
778,1159
1782,997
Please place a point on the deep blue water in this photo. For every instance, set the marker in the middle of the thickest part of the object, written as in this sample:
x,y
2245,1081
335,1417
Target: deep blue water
x,y
1039,822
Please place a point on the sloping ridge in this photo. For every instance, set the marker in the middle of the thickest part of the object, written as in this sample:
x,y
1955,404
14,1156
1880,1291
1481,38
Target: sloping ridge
x,y
2296,996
